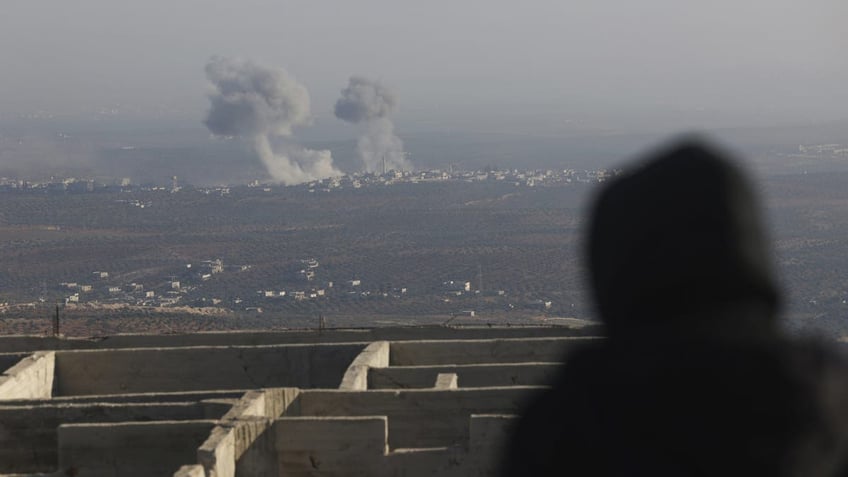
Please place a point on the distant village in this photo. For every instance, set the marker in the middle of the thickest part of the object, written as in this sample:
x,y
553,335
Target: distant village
x,y
519,178
304,283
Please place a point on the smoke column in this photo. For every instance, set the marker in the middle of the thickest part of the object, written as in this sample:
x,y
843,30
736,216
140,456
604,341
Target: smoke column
x,y
370,103
256,102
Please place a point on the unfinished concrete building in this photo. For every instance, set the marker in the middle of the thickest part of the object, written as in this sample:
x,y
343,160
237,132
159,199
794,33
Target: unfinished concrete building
x,y
386,401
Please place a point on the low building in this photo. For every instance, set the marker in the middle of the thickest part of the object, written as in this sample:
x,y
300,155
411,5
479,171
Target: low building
x,y
456,286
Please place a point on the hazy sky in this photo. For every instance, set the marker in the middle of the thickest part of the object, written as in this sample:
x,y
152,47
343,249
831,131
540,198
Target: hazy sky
x,y
773,59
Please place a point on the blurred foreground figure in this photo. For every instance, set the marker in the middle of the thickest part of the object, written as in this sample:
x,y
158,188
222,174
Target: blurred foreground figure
x,y
695,378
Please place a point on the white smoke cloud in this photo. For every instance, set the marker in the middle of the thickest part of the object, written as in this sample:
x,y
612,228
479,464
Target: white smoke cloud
x,y
256,102
370,103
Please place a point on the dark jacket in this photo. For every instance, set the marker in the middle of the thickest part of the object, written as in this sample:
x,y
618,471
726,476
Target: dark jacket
x,y
695,378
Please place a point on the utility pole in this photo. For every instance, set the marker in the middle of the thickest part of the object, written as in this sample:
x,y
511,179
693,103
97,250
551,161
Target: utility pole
x,y
479,287
56,323
480,277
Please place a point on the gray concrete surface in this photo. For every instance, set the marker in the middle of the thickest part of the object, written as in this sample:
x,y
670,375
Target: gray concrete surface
x,y
28,439
15,344
468,376
193,369
130,449
446,381
342,446
180,396
330,445
375,355
416,418
31,378
512,350
7,360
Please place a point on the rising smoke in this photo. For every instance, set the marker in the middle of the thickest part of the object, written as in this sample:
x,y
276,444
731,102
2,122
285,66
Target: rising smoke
x,y
370,103
257,102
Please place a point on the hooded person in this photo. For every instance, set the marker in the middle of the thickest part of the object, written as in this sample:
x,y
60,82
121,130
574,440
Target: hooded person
x,y
695,377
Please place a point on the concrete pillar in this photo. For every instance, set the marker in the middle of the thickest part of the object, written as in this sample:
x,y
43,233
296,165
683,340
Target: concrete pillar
x,y
446,381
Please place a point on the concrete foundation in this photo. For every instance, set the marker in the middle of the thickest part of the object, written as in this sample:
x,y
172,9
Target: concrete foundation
x,y
384,402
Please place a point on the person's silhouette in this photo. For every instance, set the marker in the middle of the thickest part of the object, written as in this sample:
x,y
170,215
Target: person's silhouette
x,y
695,377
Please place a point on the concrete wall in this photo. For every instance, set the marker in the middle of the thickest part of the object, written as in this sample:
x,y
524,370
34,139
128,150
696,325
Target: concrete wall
x,y
234,435
429,353
376,355
130,449
217,453
241,443
330,446
31,378
195,470
277,400
488,442
186,396
7,360
254,441
358,446
28,438
192,369
416,418
469,376
254,447
12,344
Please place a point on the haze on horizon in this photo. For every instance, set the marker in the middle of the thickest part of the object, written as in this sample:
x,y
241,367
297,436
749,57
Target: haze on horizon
x,y
475,65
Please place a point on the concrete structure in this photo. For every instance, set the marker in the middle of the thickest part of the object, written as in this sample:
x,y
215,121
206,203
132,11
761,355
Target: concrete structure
x,y
384,401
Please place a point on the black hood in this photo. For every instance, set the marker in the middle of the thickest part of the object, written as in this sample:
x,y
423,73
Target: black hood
x,y
679,236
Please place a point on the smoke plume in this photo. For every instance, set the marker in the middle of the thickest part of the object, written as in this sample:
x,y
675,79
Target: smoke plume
x,y
368,102
257,102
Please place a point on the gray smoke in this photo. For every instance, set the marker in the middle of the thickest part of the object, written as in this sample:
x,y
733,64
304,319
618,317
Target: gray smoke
x,y
368,102
256,102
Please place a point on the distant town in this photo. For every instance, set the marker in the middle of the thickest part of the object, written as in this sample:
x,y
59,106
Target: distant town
x,y
519,178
